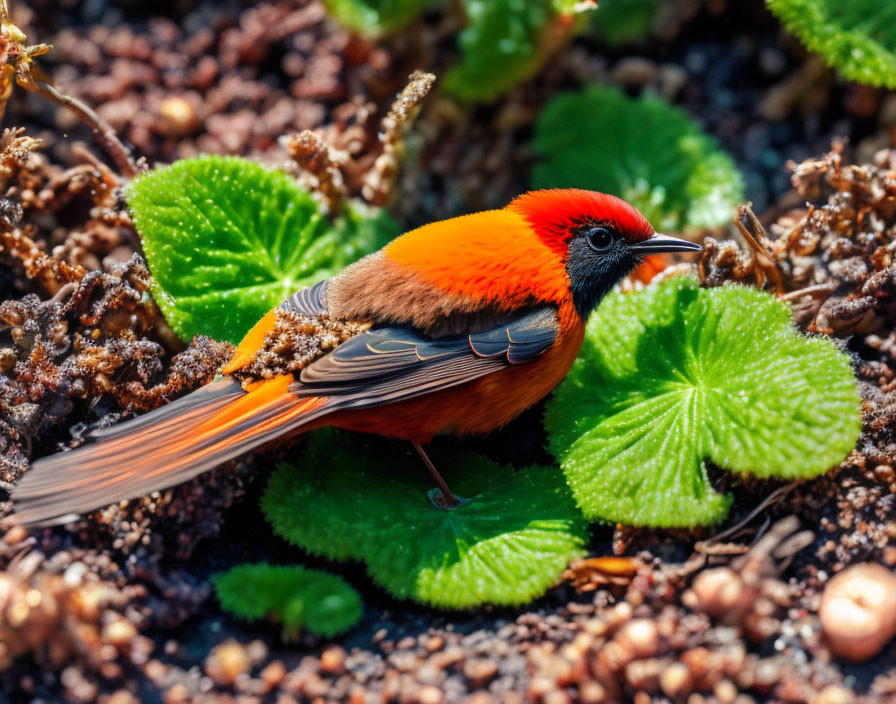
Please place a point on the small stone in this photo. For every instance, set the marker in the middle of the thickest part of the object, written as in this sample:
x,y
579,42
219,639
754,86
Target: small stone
x,y
556,696
430,695
176,695
272,674
725,691
155,671
434,643
718,591
332,660
16,534
119,633
591,692
676,680
226,662
634,71
834,694
120,696
480,672
177,117
858,611
640,635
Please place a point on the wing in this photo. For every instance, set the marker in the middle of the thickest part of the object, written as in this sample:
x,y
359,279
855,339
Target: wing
x,y
394,363
311,300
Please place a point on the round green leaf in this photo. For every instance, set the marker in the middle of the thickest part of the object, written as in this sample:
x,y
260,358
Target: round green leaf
x,y
620,22
227,240
499,48
375,18
299,598
675,375
351,498
645,151
857,37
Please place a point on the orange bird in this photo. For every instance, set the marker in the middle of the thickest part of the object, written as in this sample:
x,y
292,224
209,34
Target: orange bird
x,y
455,327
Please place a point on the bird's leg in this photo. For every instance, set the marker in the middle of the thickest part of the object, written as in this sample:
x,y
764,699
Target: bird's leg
x,y
447,500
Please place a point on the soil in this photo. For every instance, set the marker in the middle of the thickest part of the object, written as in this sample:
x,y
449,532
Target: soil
x,y
117,608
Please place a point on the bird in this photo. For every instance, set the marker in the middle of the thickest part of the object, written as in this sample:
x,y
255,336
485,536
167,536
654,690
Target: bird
x,y
455,327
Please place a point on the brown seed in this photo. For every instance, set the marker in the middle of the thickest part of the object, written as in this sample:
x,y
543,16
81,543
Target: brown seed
x,y
858,611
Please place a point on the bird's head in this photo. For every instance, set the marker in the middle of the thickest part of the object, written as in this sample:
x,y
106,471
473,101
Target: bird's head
x,y
599,237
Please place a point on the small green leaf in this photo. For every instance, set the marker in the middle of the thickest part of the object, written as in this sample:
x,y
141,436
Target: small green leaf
x,y
228,239
620,22
375,18
572,7
675,375
499,47
367,500
857,37
296,597
645,151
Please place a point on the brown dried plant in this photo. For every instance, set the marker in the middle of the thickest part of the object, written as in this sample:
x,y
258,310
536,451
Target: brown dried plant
x,y
17,67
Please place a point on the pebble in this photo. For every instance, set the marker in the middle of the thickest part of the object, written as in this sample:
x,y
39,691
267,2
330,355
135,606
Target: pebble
x,y
332,660
430,695
480,672
640,635
226,662
119,633
834,694
177,117
434,643
634,71
272,674
858,611
717,591
676,680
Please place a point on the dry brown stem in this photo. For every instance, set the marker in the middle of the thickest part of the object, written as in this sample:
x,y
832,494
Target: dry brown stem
x,y
322,163
378,184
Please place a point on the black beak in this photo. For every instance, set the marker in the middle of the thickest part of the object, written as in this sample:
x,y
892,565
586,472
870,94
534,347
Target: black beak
x,y
656,244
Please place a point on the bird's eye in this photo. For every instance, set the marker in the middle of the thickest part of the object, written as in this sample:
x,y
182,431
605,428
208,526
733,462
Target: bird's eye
x,y
600,239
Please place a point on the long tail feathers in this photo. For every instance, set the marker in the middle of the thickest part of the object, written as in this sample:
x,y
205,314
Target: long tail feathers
x,y
162,448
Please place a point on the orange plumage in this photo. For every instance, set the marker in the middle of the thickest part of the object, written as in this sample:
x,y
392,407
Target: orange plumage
x,y
455,327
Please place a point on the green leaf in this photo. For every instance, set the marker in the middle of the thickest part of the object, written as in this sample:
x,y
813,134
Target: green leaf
x,y
499,47
675,375
296,597
227,240
573,7
367,500
644,150
857,37
620,22
375,18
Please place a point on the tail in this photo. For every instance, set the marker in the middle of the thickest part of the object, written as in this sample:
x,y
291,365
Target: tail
x,y
162,448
